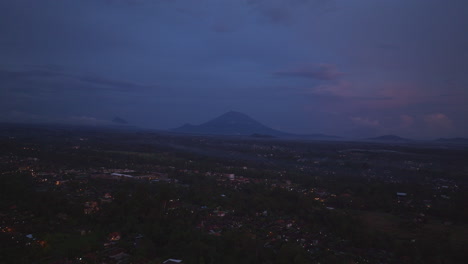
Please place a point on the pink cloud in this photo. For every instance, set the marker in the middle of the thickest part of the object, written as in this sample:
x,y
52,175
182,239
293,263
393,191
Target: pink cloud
x,y
386,95
406,120
363,121
371,95
340,88
395,94
438,121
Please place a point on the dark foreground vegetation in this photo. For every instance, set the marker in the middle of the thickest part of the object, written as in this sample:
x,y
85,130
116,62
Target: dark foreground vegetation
x,y
81,195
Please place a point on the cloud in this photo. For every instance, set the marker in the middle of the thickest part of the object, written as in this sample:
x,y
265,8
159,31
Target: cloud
x,y
115,83
125,2
9,75
22,116
364,121
322,72
341,88
84,120
438,121
53,73
406,120
222,28
344,88
283,11
388,46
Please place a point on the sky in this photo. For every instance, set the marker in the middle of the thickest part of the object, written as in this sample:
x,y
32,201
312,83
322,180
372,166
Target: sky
x,y
353,68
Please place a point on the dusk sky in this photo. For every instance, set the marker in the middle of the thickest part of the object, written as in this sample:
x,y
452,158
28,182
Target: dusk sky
x,y
355,68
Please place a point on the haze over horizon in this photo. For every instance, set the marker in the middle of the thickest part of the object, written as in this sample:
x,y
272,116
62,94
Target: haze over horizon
x,y
347,68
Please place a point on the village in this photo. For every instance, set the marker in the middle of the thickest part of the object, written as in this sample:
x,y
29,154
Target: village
x,y
127,206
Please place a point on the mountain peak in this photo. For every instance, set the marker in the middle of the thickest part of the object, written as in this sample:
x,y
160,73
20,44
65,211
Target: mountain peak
x,y
234,117
234,113
230,123
119,120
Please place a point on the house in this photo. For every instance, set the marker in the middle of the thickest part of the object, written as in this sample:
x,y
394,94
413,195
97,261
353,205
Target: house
x,y
114,236
107,198
173,261
90,207
119,256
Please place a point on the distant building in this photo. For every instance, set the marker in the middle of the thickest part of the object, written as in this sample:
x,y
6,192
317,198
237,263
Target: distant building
x,y
121,175
173,261
114,236
90,207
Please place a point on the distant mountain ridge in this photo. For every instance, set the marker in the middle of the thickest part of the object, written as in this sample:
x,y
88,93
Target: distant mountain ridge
x,y
453,140
119,120
236,123
230,123
389,138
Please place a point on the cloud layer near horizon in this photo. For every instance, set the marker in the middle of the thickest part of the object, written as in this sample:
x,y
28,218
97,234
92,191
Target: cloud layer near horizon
x,y
349,68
